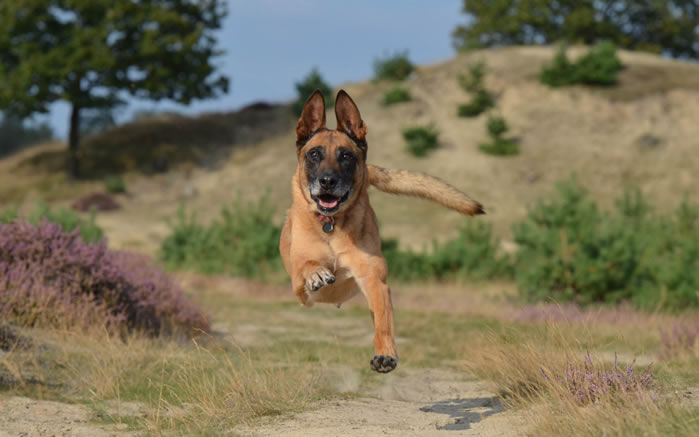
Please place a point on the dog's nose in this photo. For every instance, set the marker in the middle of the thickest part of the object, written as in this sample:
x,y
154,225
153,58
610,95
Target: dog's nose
x,y
327,181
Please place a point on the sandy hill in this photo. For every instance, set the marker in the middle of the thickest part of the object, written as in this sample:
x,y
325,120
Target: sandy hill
x,y
643,132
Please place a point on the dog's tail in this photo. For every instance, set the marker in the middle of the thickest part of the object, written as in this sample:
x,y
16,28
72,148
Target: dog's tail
x,y
424,186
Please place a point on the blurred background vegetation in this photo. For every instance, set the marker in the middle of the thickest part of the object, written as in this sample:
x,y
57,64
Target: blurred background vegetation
x,y
492,110
140,279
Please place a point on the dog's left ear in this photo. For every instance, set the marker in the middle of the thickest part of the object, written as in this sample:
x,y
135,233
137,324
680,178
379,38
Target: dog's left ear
x,y
349,120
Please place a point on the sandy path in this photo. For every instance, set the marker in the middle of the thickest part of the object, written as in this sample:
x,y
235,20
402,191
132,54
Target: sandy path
x,y
418,402
25,417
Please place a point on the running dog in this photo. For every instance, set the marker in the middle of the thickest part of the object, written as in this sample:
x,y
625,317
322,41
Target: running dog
x,y
330,241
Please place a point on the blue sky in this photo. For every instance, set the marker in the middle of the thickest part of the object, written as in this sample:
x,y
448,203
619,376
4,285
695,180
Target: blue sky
x,y
270,44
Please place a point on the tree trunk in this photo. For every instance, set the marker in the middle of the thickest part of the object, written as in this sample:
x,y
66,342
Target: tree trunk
x,y
74,143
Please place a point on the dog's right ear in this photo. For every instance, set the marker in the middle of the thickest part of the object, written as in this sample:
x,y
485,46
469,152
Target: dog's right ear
x,y
312,118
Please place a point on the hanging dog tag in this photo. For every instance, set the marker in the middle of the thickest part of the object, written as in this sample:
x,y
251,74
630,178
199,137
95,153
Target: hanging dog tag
x,y
328,227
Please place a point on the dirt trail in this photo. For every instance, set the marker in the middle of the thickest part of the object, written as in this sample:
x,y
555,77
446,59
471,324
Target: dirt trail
x,y
420,402
29,417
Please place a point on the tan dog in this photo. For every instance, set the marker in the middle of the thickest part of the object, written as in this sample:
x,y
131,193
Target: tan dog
x,y
330,241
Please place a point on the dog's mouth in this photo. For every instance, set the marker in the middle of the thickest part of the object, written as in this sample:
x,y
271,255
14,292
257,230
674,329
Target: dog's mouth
x,y
328,203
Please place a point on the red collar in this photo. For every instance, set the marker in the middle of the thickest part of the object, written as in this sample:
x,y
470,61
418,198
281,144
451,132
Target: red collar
x,y
325,218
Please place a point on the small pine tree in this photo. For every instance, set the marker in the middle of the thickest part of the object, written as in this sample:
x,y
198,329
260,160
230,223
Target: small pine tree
x,y
393,67
500,146
473,84
313,81
599,66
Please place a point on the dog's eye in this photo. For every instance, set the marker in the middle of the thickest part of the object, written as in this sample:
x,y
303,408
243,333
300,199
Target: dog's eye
x,y
314,154
346,156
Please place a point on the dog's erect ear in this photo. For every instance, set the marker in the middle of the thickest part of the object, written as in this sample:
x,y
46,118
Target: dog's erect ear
x,y
349,120
312,118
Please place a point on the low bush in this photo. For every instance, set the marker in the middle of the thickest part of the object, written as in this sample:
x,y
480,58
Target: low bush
x,y
66,219
114,184
472,83
395,95
481,102
393,67
599,66
305,87
101,202
471,254
243,242
52,277
499,146
421,139
570,250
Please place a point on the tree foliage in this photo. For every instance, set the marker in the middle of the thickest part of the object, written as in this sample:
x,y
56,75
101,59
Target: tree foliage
x,y
305,87
656,26
92,53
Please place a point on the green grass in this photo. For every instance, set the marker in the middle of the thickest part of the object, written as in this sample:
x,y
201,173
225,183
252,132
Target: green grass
x,y
68,220
500,147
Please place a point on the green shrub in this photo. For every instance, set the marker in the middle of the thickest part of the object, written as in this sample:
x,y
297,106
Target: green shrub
x,y
500,146
481,102
421,139
304,88
496,126
395,95
472,254
243,242
65,218
114,184
570,250
561,72
473,83
393,67
597,67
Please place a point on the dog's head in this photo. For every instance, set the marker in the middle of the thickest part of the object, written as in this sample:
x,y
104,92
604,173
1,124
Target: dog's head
x,y
332,163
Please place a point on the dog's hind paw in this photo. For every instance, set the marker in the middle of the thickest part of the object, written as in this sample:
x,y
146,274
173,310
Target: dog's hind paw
x,y
383,363
319,279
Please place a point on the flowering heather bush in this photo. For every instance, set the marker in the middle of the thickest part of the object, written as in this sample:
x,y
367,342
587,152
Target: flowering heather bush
x,y
52,277
589,383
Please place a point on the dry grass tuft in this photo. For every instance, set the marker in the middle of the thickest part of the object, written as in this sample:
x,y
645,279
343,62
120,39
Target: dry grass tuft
x,y
192,388
563,391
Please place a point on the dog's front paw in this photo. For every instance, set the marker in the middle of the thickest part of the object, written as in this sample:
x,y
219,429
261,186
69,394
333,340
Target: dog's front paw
x,y
319,279
383,363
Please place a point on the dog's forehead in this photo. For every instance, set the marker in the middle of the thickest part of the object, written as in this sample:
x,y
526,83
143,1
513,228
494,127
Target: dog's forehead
x,y
331,139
